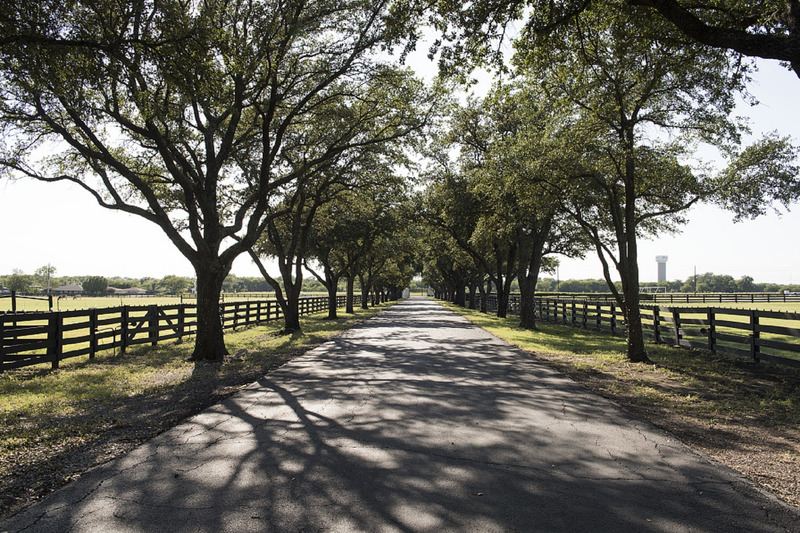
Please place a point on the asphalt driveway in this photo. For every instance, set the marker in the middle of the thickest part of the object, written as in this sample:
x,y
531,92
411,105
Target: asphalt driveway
x,y
414,421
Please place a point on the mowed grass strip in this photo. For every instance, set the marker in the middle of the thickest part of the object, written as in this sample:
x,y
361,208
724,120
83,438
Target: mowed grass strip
x,y
743,414
54,424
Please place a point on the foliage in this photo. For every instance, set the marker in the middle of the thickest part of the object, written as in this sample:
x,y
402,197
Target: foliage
x,y
196,117
95,285
18,281
626,85
475,33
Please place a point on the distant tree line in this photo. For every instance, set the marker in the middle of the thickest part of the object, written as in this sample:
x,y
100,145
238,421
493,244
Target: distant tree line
x,y
707,282
38,282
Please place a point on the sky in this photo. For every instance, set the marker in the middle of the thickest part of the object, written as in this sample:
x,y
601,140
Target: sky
x,y
61,225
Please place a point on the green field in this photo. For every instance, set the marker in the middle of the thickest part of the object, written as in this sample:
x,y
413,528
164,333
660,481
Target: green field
x,y
71,303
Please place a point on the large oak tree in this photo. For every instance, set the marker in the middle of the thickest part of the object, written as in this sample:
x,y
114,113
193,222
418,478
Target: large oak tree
x,y
195,116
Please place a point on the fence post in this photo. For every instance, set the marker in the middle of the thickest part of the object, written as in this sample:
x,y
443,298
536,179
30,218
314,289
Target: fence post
x,y
55,343
754,347
676,322
613,318
123,329
657,324
181,322
712,330
572,310
152,324
92,333
598,316
2,345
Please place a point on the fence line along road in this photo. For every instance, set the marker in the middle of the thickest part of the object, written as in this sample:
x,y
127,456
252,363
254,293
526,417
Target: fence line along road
x,y
50,337
757,335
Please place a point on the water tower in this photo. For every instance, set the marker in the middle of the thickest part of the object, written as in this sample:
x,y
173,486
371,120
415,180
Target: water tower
x,y
662,267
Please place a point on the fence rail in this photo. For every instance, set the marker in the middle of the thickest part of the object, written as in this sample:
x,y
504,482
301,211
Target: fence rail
x,y
757,335
680,297
50,337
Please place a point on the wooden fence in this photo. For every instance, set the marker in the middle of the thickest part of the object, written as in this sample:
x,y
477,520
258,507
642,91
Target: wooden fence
x,y
681,297
757,335
50,337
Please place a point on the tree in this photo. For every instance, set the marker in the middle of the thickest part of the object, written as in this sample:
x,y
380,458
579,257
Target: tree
x,y
95,285
476,30
381,116
622,81
455,205
195,116
175,284
770,30
345,229
18,281
44,276
515,181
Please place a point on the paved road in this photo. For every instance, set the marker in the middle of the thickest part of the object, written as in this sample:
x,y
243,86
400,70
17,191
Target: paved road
x,y
414,421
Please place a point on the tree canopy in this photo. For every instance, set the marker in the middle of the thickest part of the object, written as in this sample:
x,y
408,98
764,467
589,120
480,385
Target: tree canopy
x,y
195,116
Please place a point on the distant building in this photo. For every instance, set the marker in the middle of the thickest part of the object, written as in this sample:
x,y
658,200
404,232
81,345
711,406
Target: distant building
x,y
131,291
68,290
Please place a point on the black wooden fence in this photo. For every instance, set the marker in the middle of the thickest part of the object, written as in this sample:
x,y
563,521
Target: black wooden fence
x,y
758,335
49,337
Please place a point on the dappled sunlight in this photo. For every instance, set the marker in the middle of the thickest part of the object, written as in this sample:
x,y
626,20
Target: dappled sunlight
x,y
413,421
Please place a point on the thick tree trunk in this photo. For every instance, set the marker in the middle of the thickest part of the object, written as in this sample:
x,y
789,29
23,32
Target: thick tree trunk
x,y
364,292
531,251
351,282
460,295
332,303
502,303
527,307
291,315
636,351
629,254
472,290
210,340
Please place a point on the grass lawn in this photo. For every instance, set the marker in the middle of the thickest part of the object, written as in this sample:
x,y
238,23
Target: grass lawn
x,y
54,424
743,414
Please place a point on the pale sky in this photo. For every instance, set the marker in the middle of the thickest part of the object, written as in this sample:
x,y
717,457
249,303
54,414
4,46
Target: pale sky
x,y
61,225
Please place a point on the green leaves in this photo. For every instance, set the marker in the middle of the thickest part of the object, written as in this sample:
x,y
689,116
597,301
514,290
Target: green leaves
x,y
761,175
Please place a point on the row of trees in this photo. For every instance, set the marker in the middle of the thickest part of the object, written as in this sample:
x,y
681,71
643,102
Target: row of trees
x,y
283,130
230,125
587,149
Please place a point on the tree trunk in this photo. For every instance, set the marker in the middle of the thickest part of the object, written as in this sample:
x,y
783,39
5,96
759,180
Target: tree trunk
x,y
484,299
332,303
364,292
210,340
636,350
472,290
633,319
502,303
291,314
350,295
460,294
629,254
531,251
527,306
